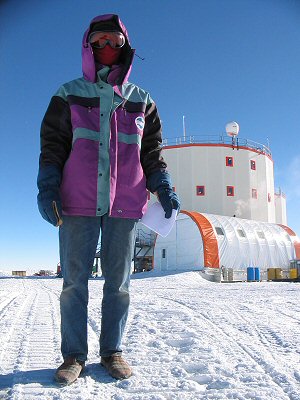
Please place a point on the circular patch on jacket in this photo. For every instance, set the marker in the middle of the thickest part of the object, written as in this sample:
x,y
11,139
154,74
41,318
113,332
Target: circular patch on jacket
x,y
140,122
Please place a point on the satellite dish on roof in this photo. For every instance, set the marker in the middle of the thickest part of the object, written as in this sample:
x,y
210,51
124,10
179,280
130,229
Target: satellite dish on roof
x,y
232,129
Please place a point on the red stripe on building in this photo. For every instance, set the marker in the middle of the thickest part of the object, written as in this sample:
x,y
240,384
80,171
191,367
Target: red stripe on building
x,y
295,239
210,243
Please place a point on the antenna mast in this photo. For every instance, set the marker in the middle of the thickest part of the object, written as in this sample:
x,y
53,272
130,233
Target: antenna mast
x,y
183,126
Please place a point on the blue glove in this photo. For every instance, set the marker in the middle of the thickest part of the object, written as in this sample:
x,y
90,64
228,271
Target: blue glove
x,y
160,182
48,198
169,200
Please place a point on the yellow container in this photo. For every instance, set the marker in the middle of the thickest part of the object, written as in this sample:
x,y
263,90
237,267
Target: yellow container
x,y
271,274
278,273
293,273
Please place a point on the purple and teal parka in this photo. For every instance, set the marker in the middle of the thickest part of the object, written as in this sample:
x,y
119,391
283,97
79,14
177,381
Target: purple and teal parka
x,y
103,134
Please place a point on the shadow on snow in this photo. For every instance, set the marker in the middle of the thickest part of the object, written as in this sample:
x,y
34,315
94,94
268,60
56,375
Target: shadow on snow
x,y
45,377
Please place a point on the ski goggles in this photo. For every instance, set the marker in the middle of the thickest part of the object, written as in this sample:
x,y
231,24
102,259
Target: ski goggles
x,y
100,39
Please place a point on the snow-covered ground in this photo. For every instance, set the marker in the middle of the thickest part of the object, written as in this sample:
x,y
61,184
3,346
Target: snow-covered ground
x,y
186,338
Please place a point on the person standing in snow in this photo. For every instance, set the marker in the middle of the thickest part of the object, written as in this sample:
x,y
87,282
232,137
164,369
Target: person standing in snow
x,y
100,152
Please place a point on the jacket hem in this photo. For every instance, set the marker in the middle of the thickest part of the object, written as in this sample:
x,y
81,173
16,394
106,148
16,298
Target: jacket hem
x,y
126,214
83,212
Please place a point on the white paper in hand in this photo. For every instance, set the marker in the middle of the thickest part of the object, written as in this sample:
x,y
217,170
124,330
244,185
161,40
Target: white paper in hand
x,y
154,218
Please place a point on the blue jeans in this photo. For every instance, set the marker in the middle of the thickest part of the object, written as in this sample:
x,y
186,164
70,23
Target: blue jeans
x,y
78,238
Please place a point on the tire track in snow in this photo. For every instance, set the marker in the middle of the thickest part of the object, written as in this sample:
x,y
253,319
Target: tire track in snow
x,y
155,366
15,361
161,339
272,350
290,316
6,303
10,321
270,338
32,344
9,300
15,324
287,383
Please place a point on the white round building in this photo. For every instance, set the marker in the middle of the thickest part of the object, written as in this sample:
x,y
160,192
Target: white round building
x,y
225,176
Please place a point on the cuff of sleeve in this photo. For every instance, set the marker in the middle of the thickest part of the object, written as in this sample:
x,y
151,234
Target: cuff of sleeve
x,y
49,176
158,180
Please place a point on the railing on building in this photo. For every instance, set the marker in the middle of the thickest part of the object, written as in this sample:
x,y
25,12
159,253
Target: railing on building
x,y
217,139
143,251
279,193
145,239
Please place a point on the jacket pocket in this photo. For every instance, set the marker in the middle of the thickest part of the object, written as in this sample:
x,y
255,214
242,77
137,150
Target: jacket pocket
x,y
130,123
85,112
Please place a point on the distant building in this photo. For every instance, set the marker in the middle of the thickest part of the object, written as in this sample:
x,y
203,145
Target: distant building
x,y
18,273
218,176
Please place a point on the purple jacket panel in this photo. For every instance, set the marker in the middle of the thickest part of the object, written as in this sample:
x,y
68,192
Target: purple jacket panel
x,y
85,117
80,179
131,180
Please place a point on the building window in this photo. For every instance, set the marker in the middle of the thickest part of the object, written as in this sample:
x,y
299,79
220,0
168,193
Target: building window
x,y
260,234
219,231
269,197
200,190
229,161
163,253
241,233
230,190
253,164
254,193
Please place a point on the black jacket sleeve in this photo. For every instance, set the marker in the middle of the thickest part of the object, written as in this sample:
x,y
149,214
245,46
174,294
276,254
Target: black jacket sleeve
x,y
56,133
151,158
